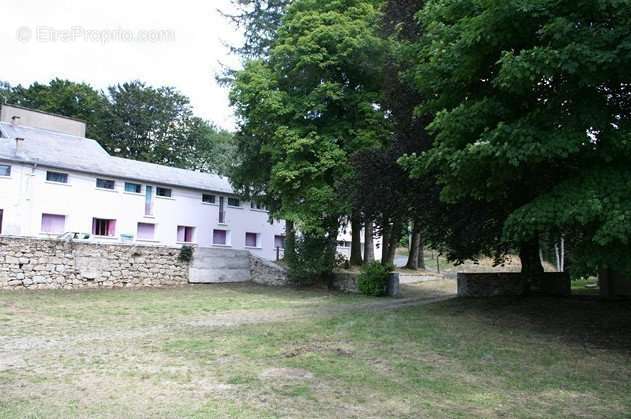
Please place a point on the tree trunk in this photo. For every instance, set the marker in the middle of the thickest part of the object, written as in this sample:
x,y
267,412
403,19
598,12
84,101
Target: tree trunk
x,y
530,260
421,253
414,246
369,243
290,240
393,240
385,241
356,240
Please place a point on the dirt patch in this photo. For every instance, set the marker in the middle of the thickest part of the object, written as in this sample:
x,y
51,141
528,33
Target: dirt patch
x,y
286,374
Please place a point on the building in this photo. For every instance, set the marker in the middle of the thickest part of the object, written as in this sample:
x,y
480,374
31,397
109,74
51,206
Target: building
x,y
54,181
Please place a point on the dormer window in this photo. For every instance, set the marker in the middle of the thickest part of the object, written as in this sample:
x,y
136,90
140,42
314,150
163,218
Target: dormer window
x,y
163,192
56,177
105,184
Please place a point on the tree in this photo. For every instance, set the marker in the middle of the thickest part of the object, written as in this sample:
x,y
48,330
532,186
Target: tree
x,y
308,108
259,20
532,118
157,125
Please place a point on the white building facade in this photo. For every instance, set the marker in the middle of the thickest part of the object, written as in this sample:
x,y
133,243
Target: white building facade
x,y
54,183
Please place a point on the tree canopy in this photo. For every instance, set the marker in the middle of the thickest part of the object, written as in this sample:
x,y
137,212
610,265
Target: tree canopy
x,y
531,105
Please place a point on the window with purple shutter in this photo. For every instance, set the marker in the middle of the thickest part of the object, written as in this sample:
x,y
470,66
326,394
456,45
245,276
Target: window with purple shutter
x,y
185,234
146,231
251,239
103,227
53,223
220,237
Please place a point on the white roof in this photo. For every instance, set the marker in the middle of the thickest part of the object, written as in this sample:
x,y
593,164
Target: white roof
x,y
64,151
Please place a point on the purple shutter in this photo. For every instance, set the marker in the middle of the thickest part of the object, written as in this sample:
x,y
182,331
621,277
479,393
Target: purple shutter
x,y
146,231
219,237
53,224
111,227
250,239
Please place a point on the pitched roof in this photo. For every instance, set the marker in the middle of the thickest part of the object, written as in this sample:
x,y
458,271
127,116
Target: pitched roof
x,y
63,151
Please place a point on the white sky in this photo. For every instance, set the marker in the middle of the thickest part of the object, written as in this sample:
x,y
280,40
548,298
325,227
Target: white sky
x,y
188,57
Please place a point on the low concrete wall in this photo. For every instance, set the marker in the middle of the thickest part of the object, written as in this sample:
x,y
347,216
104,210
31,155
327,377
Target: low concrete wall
x,y
51,264
215,265
347,282
512,284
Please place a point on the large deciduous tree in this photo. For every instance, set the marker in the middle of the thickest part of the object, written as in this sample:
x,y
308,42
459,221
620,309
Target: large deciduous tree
x,y
308,108
532,103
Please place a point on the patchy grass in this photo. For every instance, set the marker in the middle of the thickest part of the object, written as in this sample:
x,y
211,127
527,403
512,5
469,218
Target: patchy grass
x,y
310,353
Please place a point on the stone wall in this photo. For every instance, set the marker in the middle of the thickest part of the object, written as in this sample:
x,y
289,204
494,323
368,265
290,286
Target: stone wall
x,y
512,284
267,273
49,264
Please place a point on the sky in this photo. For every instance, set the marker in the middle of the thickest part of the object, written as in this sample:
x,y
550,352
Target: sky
x,y
176,43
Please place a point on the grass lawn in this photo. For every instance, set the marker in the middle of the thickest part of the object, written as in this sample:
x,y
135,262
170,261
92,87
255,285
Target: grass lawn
x,y
249,351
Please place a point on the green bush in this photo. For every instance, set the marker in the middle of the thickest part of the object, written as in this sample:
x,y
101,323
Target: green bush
x,y
186,254
312,261
373,279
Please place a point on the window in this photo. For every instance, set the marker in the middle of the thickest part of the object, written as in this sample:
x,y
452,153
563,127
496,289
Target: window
x,y
56,177
208,199
234,202
343,244
252,240
185,234
257,205
103,227
133,187
222,210
148,200
1,214
53,224
221,237
163,192
146,231
279,242
5,170
105,184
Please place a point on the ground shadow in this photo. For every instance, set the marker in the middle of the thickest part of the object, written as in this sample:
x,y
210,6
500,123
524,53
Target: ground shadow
x,y
591,322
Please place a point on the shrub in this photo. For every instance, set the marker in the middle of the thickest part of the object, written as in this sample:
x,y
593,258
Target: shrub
x,y
313,259
186,254
373,279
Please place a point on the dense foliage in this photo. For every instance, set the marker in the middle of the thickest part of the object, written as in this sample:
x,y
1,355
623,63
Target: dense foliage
x,y
373,279
511,117
306,108
531,104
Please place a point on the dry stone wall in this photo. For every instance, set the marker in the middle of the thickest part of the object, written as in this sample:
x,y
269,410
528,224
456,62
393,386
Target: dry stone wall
x,y
52,264
268,273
